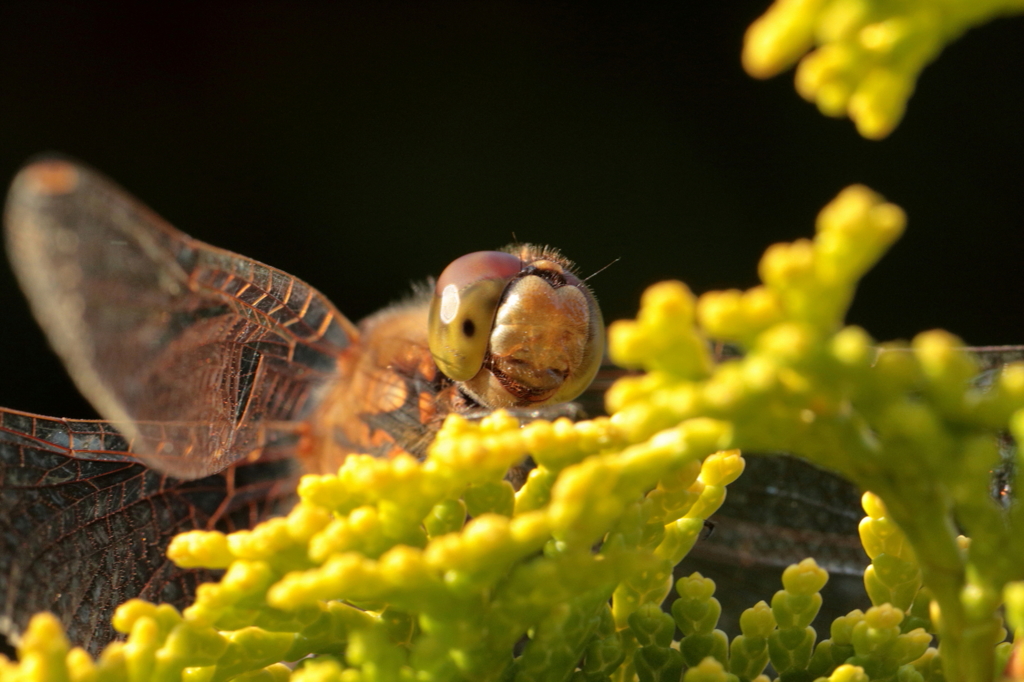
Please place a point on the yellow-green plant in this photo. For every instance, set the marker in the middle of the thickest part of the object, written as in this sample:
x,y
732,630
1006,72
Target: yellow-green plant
x,y
439,570
864,55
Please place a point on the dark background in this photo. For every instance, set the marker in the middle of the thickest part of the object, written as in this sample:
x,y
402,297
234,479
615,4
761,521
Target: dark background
x,y
365,145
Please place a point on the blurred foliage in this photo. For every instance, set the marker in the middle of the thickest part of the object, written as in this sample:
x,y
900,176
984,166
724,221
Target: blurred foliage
x,y
861,58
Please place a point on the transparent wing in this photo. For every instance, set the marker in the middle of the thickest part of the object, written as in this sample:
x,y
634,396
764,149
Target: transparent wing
x,y
155,326
84,525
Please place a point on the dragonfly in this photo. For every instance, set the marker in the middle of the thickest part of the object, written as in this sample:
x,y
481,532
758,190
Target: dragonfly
x,y
221,380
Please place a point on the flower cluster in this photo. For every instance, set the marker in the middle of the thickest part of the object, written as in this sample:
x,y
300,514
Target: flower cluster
x,y
903,421
867,54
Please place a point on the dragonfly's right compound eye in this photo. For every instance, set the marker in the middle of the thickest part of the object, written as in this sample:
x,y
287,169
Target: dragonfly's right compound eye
x,y
462,311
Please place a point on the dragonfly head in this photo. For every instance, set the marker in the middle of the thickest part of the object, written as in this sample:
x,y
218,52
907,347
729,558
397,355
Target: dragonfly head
x,y
516,328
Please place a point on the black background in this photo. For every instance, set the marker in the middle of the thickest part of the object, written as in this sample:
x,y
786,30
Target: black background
x,y
361,146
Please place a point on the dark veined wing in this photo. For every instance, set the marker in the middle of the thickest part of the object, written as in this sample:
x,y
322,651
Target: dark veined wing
x,y
155,326
84,525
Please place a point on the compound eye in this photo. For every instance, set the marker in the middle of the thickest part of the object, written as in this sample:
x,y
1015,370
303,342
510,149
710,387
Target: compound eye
x,y
462,310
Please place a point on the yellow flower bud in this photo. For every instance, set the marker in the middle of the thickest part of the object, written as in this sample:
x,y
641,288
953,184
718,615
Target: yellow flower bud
x,y
840,19
879,102
789,265
670,300
196,548
722,468
779,37
873,505
848,673
884,616
804,578
720,314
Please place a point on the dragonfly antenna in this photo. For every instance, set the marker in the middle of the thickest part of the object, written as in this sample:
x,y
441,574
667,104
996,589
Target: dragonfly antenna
x,y
603,269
